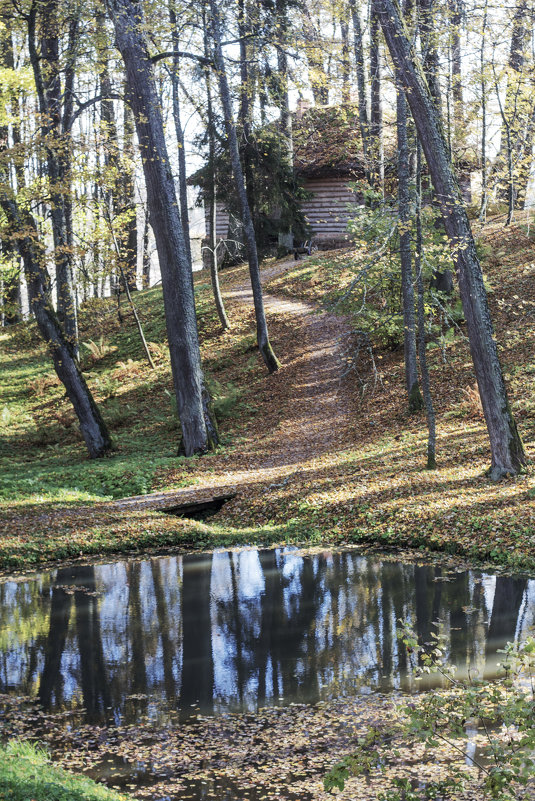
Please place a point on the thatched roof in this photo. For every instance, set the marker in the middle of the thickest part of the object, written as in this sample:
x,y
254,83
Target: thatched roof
x,y
327,142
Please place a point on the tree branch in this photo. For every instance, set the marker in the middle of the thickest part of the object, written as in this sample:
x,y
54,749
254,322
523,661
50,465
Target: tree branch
x,y
83,106
179,54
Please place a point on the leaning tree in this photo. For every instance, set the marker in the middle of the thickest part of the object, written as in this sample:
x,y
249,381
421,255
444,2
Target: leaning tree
x,y
193,401
506,446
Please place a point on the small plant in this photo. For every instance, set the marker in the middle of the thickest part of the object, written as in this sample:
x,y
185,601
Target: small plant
x,y
40,385
23,336
107,386
159,351
224,397
502,711
95,351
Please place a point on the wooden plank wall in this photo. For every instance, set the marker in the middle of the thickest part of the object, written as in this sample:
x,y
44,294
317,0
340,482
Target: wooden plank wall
x,y
326,211
222,221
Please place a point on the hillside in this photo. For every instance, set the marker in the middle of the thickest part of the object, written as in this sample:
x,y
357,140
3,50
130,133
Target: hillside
x,y
317,453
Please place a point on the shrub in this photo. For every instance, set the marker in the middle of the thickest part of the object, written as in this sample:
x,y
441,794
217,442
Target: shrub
x,y
503,710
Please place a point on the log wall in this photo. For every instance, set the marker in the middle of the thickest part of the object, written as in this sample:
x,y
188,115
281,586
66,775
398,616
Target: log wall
x,y
222,221
327,210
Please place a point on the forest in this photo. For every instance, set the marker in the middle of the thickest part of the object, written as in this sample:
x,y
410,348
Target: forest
x,y
267,504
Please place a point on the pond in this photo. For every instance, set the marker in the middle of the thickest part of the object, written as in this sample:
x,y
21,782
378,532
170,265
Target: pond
x,y
165,638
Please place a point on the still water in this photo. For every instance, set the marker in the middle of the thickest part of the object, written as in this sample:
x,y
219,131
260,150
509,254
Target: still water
x,y
239,630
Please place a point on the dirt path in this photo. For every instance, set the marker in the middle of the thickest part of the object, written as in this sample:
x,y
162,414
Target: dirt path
x,y
318,408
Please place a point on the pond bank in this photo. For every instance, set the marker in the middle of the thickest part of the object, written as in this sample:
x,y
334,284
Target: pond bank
x,y
143,672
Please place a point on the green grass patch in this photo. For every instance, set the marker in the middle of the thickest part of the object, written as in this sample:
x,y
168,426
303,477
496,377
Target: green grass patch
x,y
26,774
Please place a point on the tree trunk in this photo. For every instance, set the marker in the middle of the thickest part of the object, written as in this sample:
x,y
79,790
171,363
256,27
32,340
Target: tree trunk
x,y
430,59
376,111
47,74
422,351
346,69
128,204
198,428
92,426
456,69
314,55
118,191
10,293
483,85
505,443
212,198
513,111
10,289
264,345
405,252
247,83
179,133
281,43
361,80
146,254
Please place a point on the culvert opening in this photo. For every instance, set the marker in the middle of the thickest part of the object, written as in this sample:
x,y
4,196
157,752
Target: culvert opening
x,y
199,510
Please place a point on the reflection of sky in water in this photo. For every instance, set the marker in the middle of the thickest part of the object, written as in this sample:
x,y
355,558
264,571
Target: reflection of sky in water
x,y
283,627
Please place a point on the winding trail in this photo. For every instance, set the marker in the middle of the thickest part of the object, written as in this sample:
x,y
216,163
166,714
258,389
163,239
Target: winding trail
x,y
318,409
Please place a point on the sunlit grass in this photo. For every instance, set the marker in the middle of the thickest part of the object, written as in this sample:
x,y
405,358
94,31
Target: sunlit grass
x,y
26,774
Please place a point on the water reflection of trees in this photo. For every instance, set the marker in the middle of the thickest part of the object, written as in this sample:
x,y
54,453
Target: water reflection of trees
x,y
242,629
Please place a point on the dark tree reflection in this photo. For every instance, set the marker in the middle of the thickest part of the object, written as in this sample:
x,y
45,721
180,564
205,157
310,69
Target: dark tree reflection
x,y
51,682
94,682
243,629
197,686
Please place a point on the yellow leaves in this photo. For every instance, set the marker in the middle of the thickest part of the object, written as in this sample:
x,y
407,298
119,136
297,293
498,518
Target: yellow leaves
x,y
15,80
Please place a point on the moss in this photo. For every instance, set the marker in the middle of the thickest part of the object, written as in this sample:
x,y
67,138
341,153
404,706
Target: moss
x,y
416,402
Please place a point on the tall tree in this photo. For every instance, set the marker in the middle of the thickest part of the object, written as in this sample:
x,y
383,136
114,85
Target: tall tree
x,y
23,231
506,446
358,48
10,268
422,344
405,252
430,56
179,131
264,345
516,144
455,9
213,243
55,108
193,401
376,109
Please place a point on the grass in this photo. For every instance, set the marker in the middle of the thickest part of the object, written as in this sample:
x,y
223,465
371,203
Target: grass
x,y
26,774
371,488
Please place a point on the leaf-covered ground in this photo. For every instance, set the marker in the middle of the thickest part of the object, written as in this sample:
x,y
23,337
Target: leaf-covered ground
x,y
279,753
314,456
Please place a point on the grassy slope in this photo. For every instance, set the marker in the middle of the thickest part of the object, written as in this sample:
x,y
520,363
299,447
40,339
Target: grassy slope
x,y
27,775
371,490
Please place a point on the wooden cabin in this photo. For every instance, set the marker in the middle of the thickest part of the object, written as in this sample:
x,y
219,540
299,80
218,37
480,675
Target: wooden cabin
x,y
329,161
